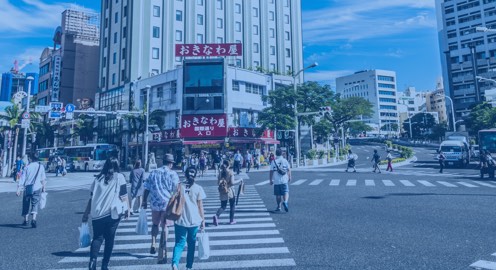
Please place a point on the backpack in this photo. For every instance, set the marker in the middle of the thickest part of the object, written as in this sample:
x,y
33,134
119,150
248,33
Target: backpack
x,y
223,187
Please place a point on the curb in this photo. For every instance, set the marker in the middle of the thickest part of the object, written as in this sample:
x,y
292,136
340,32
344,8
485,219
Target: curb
x,y
403,163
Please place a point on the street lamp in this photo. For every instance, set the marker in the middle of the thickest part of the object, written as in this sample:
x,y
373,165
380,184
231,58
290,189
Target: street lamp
x,y
297,136
484,29
147,113
25,137
452,110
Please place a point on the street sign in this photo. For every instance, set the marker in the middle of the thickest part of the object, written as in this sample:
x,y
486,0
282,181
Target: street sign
x,y
25,123
25,115
56,109
70,108
69,115
41,109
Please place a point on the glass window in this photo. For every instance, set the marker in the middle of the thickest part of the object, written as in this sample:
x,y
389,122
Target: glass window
x,y
238,27
115,37
220,40
288,52
179,15
255,47
255,29
220,23
116,17
271,15
199,38
203,78
272,67
199,2
237,8
113,78
124,32
235,86
156,32
114,58
199,19
123,53
255,12
272,32
156,11
219,4
179,35
286,19
155,53
286,35
272,50
238,62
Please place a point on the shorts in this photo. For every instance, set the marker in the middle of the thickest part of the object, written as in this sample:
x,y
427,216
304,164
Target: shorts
x,y
158,219
281,190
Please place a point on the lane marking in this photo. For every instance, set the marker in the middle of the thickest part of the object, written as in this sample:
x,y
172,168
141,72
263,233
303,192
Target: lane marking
x,y
446,184
210,234
388,183
484,184
484,265
299,182
426,183
369,182
316,182
467,184
351,182
334,182
263,183
407,183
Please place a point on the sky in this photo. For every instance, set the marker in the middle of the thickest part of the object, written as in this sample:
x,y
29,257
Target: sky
x,y
343,36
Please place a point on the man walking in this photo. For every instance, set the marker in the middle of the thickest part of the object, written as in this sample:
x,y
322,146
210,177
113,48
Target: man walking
x,y
441,157
32,183
237,162
280,176
389,158
249,160
376,159
160,185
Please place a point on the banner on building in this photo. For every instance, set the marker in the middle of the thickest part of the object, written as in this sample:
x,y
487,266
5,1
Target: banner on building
x,y
56,77
209,50
164,135
239,132
203,126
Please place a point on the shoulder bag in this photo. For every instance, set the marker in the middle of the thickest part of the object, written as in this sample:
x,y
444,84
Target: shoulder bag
x,y
279,171
28,189
175,206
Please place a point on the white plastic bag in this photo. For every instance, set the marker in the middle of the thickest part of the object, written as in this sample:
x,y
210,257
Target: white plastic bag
x,y
84,236
142,224
43,199
203,245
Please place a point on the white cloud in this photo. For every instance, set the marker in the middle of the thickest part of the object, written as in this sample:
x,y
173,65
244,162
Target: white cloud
x,y
29,16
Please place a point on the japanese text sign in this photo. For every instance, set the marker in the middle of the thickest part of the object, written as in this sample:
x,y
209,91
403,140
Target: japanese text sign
x,y
164,135
213,50
239,132
203,126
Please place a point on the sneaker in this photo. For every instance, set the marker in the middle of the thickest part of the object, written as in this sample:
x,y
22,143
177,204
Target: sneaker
x,y
33,224
285,204
354,171
232,222
153,250
174,267
277,209
24,223
216,220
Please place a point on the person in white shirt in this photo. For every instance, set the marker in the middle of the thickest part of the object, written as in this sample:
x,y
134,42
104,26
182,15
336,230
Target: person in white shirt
x,y
249,160
238,160
389,158
280,176
32,182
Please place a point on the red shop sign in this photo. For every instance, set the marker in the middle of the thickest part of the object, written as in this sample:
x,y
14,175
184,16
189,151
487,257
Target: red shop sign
x,y
203,126
214,49
238,132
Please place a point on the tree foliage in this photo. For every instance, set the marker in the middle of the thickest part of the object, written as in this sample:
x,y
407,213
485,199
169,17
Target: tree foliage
x,y
422,124
482,116
279,115
357,128
344,110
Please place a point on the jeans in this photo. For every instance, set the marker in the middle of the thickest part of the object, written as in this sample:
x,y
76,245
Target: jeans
x,y
103,229
183,235
31,200
248,166
232,208
237,166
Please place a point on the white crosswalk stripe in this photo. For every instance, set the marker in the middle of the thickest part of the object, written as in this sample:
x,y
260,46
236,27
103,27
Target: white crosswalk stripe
x,y
369,182
388,183
485,184
335,182
467,184
351,182
444,183
299,182
253,242
426,183
407,183
316,182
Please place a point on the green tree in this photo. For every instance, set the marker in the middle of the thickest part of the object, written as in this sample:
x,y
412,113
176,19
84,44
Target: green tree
x,y
344,110
85,126
390,127
279,115
482,116
45,133
357,128
422,124
438,131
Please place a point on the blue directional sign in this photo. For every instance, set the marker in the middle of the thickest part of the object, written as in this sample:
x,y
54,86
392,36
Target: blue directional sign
x,y
55,110
70,108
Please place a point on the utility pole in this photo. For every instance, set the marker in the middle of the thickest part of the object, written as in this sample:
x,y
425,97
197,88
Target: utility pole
x,y
25,135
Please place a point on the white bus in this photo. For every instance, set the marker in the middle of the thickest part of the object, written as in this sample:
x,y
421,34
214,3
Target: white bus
x,y
90,157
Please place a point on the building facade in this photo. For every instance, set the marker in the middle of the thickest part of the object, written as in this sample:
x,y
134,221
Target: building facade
x,y
69,70
465,52
379,88
15,81
435,101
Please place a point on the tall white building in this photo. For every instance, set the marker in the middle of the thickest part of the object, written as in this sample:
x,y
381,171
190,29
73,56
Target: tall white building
x,y
466,53
379,88
139,37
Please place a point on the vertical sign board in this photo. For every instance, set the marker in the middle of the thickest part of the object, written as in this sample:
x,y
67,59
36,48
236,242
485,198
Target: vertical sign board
x,y
56,77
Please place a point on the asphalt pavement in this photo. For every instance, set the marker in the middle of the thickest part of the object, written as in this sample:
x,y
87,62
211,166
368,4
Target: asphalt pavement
x,y
412,218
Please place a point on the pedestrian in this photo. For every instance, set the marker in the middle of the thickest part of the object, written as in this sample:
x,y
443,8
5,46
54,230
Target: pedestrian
x,y
238,159
160,185
280,176
249,161
226,185
217,160
271,157
19,164
63,169
32,183
108,187
389,158
58,170
376,159
136,178
441,158
191,220
351,160
203,163
193,161
256,161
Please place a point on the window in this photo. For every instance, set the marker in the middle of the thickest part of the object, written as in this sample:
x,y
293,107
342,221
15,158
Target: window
x,y
220,40
256,64
199,19
179,35
286,19
384,85
288,69
115,37
238,27
286,3
387,107
160,92
387,93
199,2
272,50
116,17
288,52
219,23
156,32
103,82
286,35
272,32
219,4
255,29
105,41
125,11
248,87
390,100
235,86
156,11
123,53
155,71
106,23
255,12
238,62
123,75
272,67
199,38
255,47
155,53
113,78
271,15
385,78
124,32
237,8
104,62
114,58
179,16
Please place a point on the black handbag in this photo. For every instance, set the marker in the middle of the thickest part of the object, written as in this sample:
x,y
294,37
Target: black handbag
x,y
28,189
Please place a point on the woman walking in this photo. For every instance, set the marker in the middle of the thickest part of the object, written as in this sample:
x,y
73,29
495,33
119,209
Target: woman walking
x,y
108,187
190,221
389,158
136,177
351,161
226,185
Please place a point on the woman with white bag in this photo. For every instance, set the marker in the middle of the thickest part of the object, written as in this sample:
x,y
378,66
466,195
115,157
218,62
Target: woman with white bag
x,y
107,204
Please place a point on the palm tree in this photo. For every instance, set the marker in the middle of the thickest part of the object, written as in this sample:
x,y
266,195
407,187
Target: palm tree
x,y
12,116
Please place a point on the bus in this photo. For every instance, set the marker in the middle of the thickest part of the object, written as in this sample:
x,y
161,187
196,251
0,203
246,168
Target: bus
x,y
487,142
46,156
90,157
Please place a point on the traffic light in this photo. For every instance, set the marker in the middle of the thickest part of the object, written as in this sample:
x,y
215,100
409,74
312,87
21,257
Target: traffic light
x,y
326,110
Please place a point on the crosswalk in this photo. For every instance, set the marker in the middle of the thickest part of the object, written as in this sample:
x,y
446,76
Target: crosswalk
x,y
484,264
253,242
388,183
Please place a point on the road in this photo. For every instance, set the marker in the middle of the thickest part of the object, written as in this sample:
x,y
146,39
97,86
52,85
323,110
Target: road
x,y
413,218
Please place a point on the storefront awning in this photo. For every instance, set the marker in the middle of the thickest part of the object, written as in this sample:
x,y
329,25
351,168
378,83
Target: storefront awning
x,y
203,142
243,140
270,141
169,142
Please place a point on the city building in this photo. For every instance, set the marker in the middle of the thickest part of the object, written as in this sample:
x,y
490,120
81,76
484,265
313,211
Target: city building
x,y
466,52
69,70
435,101
140,40
379,88
15,81
410,103
205,105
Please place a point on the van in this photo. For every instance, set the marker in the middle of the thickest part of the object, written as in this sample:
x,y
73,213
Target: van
x,y
456,153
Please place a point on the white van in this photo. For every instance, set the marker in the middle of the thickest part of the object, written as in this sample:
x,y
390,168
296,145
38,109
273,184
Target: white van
x,y
456,152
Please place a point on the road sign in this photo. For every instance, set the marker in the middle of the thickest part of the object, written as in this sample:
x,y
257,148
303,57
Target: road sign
x,y
56,108
41,109
25,123
70,108
25,115
69,115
